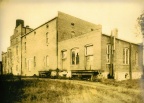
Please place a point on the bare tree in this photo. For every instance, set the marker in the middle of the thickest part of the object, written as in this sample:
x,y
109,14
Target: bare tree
x,y
140,24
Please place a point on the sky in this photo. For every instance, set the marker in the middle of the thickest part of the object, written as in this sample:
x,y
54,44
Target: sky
x,y
120,14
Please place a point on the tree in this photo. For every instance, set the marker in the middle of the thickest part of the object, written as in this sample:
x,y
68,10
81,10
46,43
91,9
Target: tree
x,y
140,21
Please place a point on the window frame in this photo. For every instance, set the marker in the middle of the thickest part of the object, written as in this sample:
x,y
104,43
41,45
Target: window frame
x,y
126,55
76,58
86,53
62,54
108,53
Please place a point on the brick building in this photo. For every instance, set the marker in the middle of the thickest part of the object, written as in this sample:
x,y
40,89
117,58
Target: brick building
x,y
69,43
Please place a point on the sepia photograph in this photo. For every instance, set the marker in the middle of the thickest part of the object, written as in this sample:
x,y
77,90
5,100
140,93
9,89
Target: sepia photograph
x,y
71,51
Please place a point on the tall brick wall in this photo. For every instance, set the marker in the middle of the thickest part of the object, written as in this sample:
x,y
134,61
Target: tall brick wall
x,y
36,46
69,26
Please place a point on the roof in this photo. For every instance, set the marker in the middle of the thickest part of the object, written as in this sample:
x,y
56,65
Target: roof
x,y
123,40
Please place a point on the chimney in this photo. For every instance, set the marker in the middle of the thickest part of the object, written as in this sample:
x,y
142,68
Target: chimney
x,y
114,32
18,22
27,26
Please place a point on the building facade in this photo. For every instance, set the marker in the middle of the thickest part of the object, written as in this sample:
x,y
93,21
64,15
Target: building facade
x,y
69,43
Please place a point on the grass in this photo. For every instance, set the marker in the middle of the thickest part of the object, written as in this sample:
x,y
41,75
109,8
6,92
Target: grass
x,y
54,91
40,91
133,84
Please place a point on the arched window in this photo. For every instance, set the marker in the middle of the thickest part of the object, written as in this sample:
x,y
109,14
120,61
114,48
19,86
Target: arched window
x,y
75,56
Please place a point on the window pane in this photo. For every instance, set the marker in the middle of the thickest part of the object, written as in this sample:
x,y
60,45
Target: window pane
x,y
75,56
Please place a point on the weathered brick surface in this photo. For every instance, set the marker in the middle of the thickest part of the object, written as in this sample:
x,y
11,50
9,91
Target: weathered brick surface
x,y
37,47
69,26
66,32
80,42
120,68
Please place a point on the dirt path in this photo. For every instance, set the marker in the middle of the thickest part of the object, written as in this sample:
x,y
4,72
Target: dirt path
x,y
95,92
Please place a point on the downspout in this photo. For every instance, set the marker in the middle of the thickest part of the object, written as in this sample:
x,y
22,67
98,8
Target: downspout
x,y
21,50
57,41
130,67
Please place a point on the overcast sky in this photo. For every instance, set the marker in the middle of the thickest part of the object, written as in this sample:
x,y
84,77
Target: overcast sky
x,y
110,14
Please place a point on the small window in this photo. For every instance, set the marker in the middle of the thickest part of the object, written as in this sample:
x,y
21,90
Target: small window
x,y
72,34
16,67
72,24
64,54
16,40
34,61
17,50
136,58
75,56
47,26
126,56
47,60
25,46
34,32
91,29
88,50
47,40
108,52
25,62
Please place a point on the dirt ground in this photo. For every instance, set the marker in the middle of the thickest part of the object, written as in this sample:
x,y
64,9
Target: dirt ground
x,y
39,90
98,92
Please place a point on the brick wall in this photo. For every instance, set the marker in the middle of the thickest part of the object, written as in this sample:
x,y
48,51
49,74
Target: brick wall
x,y
135,65
80,42
37,47
69,26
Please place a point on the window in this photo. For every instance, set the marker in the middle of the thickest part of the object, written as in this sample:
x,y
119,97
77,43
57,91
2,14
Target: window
x,y
25,46
47,26
136,58
17,50
126,56
25,62
89,56
34,32
72,24
16,40
88,50
16,67
108,52
75,56
34,61
47,37
47,60
64,54
72,34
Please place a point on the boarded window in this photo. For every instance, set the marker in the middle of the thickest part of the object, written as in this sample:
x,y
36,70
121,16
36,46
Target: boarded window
x,y
75,56
89,56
